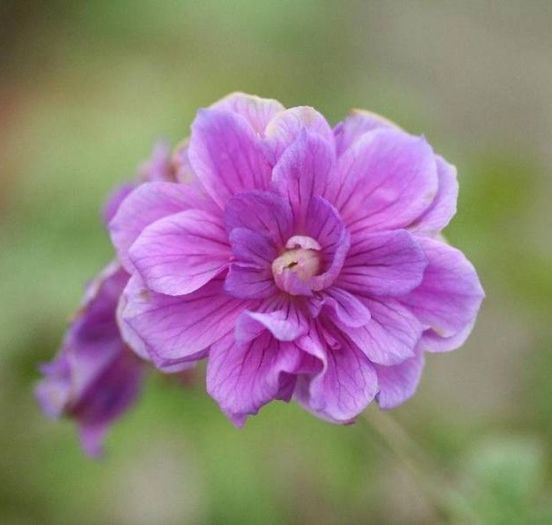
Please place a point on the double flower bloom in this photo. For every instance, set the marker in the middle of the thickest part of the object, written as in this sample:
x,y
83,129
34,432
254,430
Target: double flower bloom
x,y
303,262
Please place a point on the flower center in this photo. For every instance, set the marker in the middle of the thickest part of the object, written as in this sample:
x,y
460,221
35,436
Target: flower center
x,y
301,261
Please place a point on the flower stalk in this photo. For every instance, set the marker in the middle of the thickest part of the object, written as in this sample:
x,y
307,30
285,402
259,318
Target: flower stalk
x,y
447,502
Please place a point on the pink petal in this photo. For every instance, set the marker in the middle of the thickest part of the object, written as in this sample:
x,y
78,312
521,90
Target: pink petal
x,y
178,254
356,125
390,336
114,200
398,383
344,387
324,224
450,295
92,438
286,323
250,274
261,211
159,166
388,178
249,282
303,172
133,340
443,207
383,263
242,377
180,329
256,110
286,127
343,307
226,155
148,203
252,247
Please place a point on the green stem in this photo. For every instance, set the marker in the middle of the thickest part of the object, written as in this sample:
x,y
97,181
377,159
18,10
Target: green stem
x,y
448,503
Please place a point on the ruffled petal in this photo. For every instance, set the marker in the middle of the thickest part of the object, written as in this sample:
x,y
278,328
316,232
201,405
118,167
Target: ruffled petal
x,y
226,155
383,263
242,377
283,318
390,336
449,297
324,224
256,110
388,179
148,203
249,282
250,275
286,127
346,384
262,211
443,207
356,125
180,329
180,253
303,172
342,307
398,383
133,339
252,247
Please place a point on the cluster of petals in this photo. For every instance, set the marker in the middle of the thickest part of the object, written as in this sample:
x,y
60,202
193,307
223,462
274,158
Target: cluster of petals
x,y
304,262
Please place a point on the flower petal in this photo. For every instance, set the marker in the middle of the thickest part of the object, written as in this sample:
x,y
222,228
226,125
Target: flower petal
x,y
261,211
226,155
250,275
249,282
303,171
344,307
148,203
252,247
114,200
324,224
344,387
286,127
180,329
133,340
285,322
112,393
159,166
95,378
450,295
356,125
178,254
242,377
390,336
383,263
388,178
256,110
443,207
398,383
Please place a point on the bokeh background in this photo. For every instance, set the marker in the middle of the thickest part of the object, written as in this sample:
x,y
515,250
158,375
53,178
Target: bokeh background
x,y
86,87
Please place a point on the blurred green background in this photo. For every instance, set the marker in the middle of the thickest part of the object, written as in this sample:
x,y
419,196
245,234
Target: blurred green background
x,y
85,89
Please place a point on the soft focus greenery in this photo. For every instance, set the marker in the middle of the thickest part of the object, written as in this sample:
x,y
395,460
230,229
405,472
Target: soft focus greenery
x,y
86,87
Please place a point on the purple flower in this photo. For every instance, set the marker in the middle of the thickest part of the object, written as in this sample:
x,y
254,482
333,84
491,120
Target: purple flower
x,y
95,377
305,262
